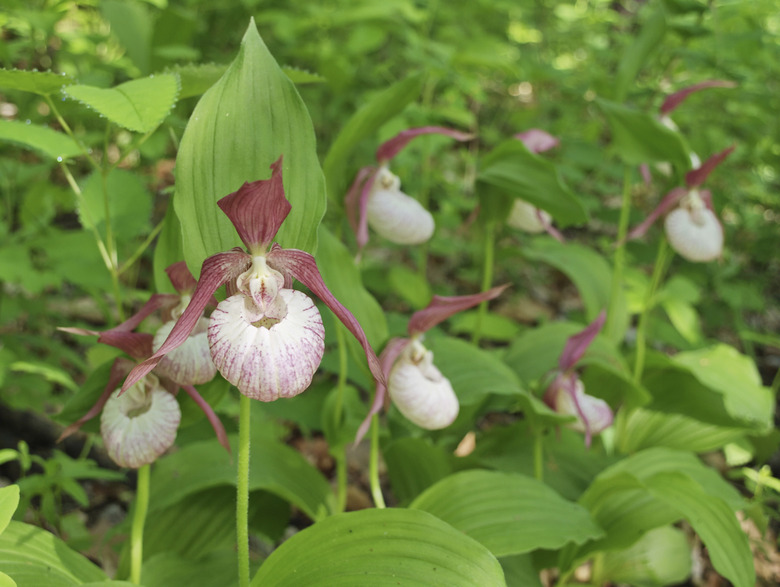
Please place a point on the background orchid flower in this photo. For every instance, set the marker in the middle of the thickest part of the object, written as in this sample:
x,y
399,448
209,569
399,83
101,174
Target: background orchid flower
x,y
566,394
525,216
139,428
375,197
417,388
691,225
265,338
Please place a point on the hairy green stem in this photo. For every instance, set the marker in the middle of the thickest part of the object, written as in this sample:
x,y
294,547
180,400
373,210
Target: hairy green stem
x,y
538,455
620,259
139,519
242,490
487,277
373,465
641,332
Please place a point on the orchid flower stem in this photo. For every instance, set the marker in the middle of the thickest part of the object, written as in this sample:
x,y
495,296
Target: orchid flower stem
x,y
341,456
487,278
242,487
620,257
140,250
538,455
139,518
373,465
641,332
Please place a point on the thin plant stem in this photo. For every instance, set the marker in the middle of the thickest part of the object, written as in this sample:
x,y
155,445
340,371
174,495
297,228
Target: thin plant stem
x,y
70,133
373,465
140,250
139,519
641,332
487,277
620,257
242,490
538,455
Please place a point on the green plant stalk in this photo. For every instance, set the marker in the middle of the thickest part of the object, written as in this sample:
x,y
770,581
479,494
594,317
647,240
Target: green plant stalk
x,y
70,133
140,250
538,455
242,490
641,332
373,465
620,254
487,277
139,519
341,456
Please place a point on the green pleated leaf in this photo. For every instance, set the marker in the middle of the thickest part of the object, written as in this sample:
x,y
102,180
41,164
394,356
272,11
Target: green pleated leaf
x,y
214,570
9,499
519,571
473,372
44,83
276,468
139,105
380,548
167,251
413,465
638,137
509,514
363,124
713,521
48,142
516,171
637,54
241,125
342,277
31,556
6,581
133,24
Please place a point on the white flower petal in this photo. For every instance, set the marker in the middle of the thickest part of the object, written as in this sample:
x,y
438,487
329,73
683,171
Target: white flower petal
x,y
422,393
396,216
266,362
189,364
596,412
523,216
694,233
140,425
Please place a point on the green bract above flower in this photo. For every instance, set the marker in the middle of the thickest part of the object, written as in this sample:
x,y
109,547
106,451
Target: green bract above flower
x,y
265,338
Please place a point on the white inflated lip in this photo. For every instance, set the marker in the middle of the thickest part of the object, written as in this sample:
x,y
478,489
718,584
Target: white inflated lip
x,y
396,216
525,216
694,233
189,364
266,362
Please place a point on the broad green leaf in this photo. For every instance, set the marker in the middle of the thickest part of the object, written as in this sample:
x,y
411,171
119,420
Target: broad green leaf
x,y
519,571
491,326
410,286
684,318
638,137
342,277
380,547
47,371
363,124
508,513
129,202
516,171
473,372
661,557
6,581
44,83
713,521
590,271
139,105
132,23
247,120
637,54
413,465
167,251
735,377
217,569
301,76
42,139
648,429
31,556
276,468
9,499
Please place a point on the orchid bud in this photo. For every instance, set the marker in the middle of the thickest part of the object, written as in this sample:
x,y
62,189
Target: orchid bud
x,y
140,425
693,230
394,215
420,391
567,396
525,216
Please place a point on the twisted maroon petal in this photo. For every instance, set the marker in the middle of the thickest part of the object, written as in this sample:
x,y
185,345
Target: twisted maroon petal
x,y
352,199
669,201
549,228
258,209
216,270
696,177
442,308
119,369
678,97
387,359
537,140
577,344
213,419
361,229
181,278
302,266
391,148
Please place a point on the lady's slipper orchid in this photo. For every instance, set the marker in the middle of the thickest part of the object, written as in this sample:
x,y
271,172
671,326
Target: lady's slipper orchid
x,y
376,199
525,216
417,388
566,394
691,225
137,427
265,338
